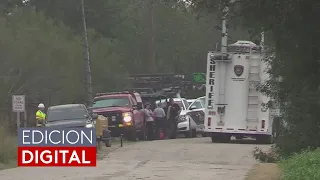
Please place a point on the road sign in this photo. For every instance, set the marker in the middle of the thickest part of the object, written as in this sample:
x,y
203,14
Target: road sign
x,y
199,77
18,103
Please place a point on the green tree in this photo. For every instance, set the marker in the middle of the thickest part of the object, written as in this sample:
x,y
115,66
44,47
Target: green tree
x,y
294,71
37,56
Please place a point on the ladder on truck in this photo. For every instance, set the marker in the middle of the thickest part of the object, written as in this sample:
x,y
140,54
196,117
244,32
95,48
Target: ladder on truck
x,y
253,95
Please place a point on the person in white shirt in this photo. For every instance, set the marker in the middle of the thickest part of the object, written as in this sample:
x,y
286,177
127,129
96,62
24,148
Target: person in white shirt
x,y
160,119
149,120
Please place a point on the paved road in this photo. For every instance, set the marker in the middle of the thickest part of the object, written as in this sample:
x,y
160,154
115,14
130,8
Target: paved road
x,y
180,159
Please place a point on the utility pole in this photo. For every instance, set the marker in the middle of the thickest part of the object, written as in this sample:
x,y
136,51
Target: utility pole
x,y
262,40
152,37
224,40
87,68
222,66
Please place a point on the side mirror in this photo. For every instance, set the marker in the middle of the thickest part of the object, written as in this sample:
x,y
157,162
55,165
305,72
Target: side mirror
x,y
94,116
193,107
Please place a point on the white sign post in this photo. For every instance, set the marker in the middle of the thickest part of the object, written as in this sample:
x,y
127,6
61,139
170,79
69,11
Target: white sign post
x,y
18,106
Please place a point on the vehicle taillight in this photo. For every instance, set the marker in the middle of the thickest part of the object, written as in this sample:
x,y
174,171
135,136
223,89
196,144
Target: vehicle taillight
x,y
209,121
263,124
212,113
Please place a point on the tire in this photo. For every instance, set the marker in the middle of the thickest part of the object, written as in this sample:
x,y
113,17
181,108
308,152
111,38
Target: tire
x,y
225,138
174,135
214,138
187,134
191,133
220,138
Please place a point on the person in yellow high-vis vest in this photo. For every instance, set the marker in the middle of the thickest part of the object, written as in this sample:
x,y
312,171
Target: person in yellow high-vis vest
x,y
40,115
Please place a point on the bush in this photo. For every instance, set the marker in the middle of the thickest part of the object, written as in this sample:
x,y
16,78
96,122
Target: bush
x,y
8,146
269,156
304,166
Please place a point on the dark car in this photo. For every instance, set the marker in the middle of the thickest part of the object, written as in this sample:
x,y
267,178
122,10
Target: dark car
x,y
69,116
123,112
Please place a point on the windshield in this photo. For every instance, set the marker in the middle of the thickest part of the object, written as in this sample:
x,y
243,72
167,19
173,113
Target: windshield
x,y
111,102
74,113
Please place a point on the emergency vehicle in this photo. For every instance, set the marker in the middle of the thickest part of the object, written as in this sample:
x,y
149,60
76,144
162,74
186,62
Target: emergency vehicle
x,y
234,106
123,112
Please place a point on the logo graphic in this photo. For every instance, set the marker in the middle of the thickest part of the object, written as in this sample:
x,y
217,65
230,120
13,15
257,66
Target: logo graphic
x,y
56,147
238,70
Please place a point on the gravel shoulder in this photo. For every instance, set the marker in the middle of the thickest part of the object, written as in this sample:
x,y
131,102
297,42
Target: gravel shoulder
x,y
179,159
264,171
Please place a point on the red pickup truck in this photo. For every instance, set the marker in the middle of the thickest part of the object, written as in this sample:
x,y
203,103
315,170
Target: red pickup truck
x,y
123,112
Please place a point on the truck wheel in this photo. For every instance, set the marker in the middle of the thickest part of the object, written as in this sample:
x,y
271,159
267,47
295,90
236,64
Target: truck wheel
x,y
239,137
220,138
187,134
214,138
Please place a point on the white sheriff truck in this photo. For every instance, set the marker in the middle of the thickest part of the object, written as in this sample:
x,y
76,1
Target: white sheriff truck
x,y
234,107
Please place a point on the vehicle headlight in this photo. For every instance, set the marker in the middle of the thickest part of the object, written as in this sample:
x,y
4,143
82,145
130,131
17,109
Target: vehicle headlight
x,y
89,126
127,117
182,118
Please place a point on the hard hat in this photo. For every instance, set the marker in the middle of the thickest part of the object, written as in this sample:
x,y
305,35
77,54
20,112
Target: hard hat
x,y
41,105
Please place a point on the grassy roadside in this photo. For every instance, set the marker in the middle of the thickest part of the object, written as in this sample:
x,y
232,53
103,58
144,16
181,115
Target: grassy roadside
x,y
304,166
8,149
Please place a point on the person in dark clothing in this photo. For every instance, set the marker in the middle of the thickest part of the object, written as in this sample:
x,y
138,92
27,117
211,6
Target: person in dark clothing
x,y
149,120
159,117
172,115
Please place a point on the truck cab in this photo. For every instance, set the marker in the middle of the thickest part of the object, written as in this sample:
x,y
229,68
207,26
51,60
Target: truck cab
x,y
123,112
234,106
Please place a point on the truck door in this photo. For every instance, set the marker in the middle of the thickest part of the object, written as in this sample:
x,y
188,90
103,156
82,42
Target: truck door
x,y
198,116
197,113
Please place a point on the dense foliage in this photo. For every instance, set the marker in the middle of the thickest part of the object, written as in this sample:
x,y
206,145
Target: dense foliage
x,y
302,166
42,46
294,71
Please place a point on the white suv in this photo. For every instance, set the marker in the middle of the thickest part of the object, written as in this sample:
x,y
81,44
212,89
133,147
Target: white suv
x,y
191,120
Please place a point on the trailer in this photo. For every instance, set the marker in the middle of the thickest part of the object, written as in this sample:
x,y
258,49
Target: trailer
x,y
234,106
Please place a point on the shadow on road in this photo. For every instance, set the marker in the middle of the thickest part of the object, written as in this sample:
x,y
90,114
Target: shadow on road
x,y
240,141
